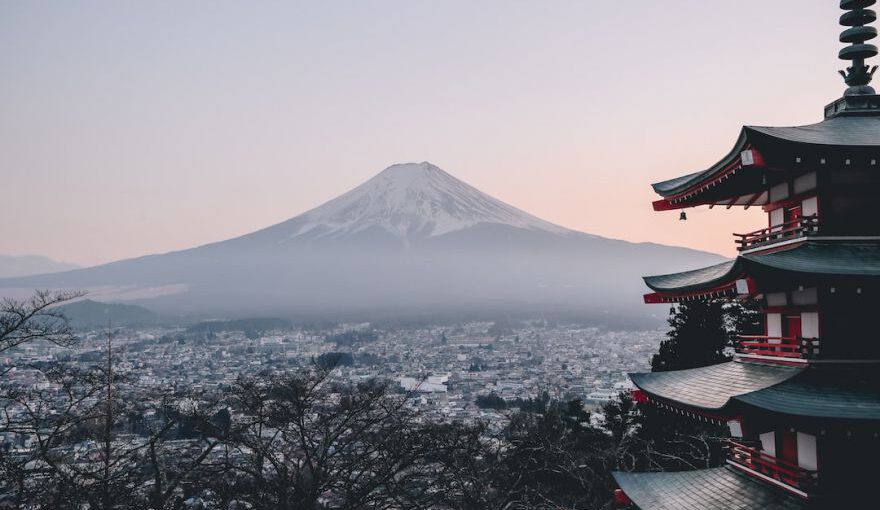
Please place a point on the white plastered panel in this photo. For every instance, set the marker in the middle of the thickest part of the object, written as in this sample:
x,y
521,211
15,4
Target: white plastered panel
x,y
810,324
806,446
777,217
779,192
805,182
774,324
768,443
810,206
777,299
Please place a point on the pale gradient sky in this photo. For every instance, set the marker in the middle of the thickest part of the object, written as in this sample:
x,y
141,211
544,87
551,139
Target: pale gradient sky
x,y
129,128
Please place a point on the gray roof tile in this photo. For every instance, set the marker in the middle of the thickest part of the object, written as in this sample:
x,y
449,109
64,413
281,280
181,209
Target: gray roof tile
x,y
825,257
713,386
843,131
695,279
707,489
824,392
843,258
847,131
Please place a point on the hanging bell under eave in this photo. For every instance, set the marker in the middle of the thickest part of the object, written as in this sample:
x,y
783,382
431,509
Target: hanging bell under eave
x,y
683,216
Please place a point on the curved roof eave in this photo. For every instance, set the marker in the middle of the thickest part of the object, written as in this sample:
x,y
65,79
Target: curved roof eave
x,y
833,258
848,393
712,387
695,279
718,488
841,131
677,185
847,258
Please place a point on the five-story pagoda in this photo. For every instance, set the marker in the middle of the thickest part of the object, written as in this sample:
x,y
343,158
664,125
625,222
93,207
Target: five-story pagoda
x,y
802,401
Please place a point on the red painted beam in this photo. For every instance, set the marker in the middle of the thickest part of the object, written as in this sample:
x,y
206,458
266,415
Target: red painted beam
x,y
747,158
621,500
727,290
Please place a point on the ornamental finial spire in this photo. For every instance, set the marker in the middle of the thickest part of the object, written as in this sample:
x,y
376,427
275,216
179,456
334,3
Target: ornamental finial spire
x,y
858,76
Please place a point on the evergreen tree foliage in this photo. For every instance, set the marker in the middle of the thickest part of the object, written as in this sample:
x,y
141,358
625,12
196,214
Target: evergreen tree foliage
x,y
698,337
745,317
651,439
701,334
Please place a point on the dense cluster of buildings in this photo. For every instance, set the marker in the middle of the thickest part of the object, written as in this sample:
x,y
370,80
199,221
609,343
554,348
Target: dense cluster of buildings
x,y
443,369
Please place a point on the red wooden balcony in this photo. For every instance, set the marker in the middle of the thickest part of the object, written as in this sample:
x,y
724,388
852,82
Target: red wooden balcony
x,y
778,346
799,227
781,470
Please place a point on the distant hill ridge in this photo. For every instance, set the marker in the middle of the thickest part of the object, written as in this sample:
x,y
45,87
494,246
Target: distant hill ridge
x,y
26,265
89,313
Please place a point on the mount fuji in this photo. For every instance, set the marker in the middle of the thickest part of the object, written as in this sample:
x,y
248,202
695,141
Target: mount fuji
x,y
412,201
411,241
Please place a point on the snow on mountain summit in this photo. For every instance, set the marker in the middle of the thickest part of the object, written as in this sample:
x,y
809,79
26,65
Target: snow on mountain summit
x,y
413,200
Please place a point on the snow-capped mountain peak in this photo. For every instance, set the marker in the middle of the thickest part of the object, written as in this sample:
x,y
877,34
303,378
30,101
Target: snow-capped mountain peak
x,y
411,240
412,200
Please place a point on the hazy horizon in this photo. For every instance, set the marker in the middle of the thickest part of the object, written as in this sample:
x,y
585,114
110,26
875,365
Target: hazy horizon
x,y
146,128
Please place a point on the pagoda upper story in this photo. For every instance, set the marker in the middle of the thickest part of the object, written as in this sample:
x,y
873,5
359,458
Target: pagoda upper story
x,y
793,173
819,180
801,400
815,265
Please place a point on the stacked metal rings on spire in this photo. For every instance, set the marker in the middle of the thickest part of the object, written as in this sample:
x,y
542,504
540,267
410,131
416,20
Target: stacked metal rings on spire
x,y
856,17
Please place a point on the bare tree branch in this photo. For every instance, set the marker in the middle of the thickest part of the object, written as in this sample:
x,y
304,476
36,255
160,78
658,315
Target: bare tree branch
x,y
36,318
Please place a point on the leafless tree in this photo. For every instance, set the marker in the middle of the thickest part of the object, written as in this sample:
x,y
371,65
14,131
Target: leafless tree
x,y
77,438
86,437
300,442
36,318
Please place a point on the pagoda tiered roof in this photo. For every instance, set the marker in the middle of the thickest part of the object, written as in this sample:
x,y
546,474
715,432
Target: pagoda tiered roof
x,y
711,388
802,405
845,258
695,279
740,178
808,259
722,488
850,393
843,131
833,392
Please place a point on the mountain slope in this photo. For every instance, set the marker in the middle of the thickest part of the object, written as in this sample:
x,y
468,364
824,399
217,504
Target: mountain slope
x,y
412,240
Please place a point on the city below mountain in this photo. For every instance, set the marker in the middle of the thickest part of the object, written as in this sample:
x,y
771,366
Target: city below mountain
x,y
411,241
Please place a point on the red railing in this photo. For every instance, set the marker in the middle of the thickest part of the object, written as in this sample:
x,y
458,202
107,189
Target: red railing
x,y
778,469
802,226
778,346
